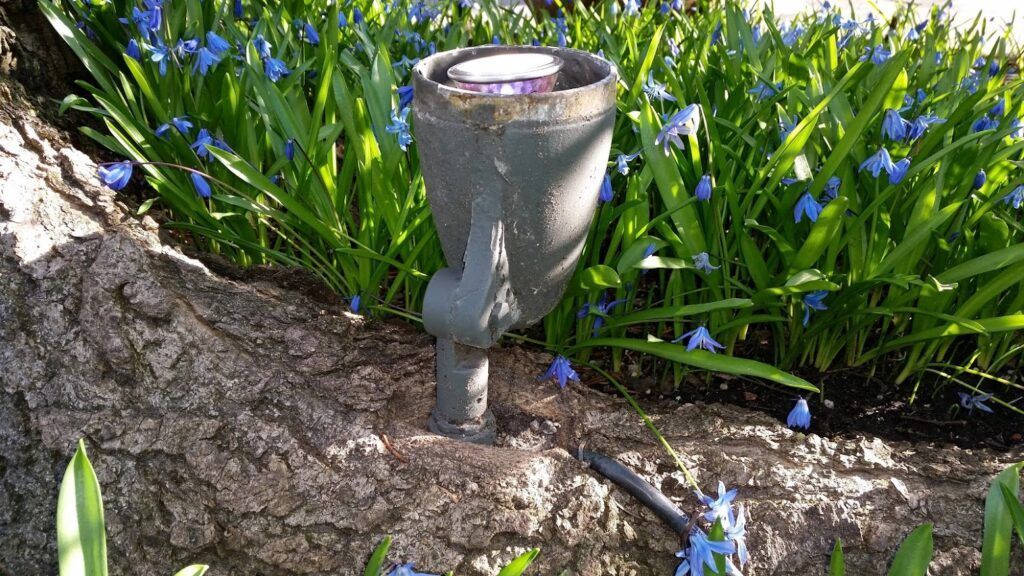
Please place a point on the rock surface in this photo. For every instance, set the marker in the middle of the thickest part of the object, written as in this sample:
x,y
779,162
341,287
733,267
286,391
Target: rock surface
x,y
262,431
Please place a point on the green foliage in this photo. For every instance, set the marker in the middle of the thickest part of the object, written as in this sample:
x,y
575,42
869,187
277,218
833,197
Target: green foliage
x,y
81,536
928,268
81,532
915,553
837,564
995,548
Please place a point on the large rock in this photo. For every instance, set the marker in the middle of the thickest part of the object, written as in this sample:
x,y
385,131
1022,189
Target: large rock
x,y
264,431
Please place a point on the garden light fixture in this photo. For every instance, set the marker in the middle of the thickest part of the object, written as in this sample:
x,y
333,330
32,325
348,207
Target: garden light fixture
x,y
512,168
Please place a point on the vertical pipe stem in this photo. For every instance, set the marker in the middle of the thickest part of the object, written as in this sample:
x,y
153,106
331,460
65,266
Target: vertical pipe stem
x,y
461,409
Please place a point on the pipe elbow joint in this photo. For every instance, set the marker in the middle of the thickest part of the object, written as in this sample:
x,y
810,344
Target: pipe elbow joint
x,y
453,309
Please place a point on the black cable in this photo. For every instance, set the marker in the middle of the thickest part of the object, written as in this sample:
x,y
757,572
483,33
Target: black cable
x,y
638,488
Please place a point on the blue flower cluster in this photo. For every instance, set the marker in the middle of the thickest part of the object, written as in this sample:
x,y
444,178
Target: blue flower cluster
x,y
698,556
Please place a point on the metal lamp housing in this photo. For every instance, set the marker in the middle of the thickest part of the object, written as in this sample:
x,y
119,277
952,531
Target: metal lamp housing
x,y
512,182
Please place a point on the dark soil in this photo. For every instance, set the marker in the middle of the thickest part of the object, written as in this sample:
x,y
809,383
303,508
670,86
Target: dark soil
x,y
853,401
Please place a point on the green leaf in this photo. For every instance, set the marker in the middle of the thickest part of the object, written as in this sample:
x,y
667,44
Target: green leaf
x,y
837,565
822,233
599,277
376,563
1016,511
995,546
520,564
81,533
915,553
672,312
703,360
193,570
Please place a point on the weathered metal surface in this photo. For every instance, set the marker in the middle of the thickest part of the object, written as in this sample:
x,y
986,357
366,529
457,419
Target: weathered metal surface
x,y
513,183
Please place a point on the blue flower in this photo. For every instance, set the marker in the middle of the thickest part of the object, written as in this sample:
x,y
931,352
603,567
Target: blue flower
x,y
790,36
309,34
238,10
623,160
800,415
999,109
656,90
703,190
186,47
405,94
736,531
979,180
649,251
786,128
702,262
132,50
406,570
984,123
342,20
204,140
161,54
216,44
814,301
148,21
976,401
993,67
205,59
116,175
406,62
702,551
971,81
920,125
400,127
763,90
915,32
561,30
877,54
832,188
357,16
602,308
354,303
699,338
275,69
683,123
807,206
262,47
561,370
894,127
289,149
1018,128
684,566
606,193
878,162
716,34
979,62
899,171
631,8
721,507
201,185
180,123
1016,198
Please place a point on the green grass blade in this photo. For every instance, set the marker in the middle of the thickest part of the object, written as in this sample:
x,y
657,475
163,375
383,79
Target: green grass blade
x,y
81,532
518,566
376,563
704,360
915,553
995,546
836,564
